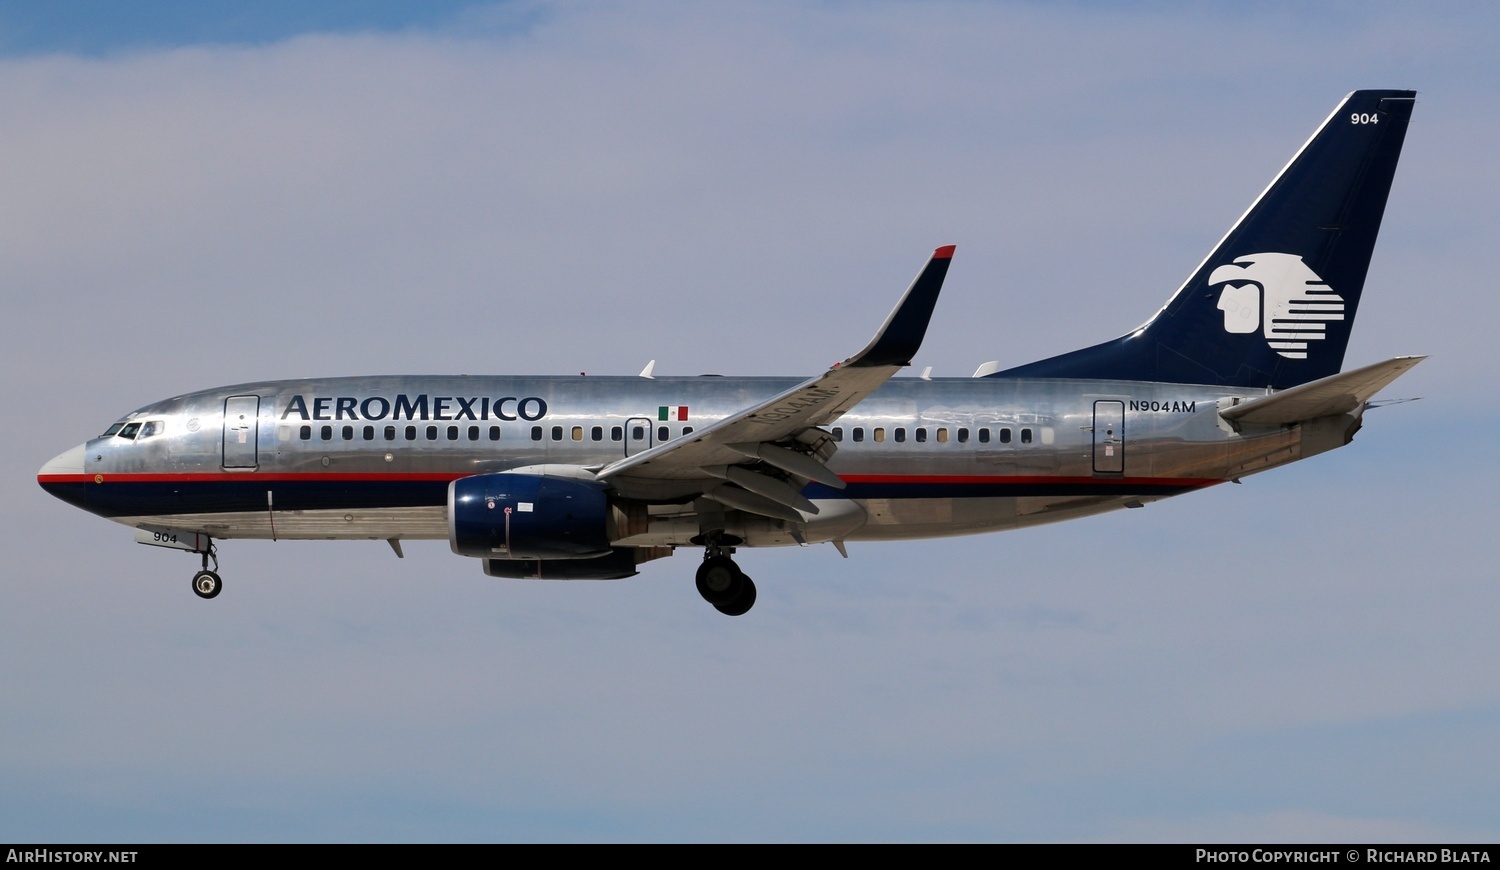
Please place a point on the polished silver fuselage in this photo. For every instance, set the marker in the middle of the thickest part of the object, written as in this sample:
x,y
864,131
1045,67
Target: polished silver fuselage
x,y
588,478
372,457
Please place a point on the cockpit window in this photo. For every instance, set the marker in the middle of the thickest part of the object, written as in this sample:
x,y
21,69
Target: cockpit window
x,y
113,430
153,427
130,430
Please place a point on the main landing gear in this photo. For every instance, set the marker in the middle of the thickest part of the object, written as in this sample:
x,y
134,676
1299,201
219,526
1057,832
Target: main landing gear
x,y
206,583
723,584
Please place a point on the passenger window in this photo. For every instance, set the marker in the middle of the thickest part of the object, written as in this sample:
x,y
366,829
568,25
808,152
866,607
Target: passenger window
x,y
494,433
638,433
1005,436
327,433
687,430
942,436
859,434
306,433
390,433
348,433
536,433
921,435
473,433
596,433
900,435
556,433
963,435
1025,436
452,433
616,433
431,433
838,433
411,433
662,434
130,430
984,436
577,433
369,433
879,434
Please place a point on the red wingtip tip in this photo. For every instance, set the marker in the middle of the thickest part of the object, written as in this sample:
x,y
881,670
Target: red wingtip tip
x,y
944,253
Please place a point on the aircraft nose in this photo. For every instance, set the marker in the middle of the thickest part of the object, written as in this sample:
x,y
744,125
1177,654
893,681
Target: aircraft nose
x,y
67,462
63,476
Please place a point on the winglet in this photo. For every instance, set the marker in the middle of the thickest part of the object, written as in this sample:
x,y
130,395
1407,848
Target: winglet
x,y
901,335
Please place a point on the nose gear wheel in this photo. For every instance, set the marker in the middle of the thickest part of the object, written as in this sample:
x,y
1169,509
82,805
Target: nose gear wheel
x,y
206,583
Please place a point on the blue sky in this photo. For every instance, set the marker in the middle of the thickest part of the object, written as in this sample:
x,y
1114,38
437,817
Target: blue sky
x,y
89,27
203,194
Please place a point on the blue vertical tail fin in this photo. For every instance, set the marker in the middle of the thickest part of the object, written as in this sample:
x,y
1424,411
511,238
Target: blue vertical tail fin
x,y
1273,304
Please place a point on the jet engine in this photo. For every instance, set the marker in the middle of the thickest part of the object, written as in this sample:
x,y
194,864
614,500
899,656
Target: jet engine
x,y
507,516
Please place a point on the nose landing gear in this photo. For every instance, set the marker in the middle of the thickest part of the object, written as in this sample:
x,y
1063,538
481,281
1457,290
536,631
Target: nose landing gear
x,y
206,583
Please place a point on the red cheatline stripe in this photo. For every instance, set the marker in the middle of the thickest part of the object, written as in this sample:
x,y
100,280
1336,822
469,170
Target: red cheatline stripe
x,y
444,476
251,477
1032,479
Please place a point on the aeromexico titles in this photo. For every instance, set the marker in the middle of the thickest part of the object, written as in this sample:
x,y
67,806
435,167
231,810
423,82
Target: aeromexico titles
x,y
588,478
420,406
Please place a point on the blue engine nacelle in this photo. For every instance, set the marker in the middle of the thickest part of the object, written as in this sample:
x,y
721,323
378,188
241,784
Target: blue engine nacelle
x,y
527,516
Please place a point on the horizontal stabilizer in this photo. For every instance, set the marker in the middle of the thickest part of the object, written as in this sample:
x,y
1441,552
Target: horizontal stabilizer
x,y
1335,394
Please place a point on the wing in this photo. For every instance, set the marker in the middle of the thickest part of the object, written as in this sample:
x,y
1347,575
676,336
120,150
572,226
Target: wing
x,y
758,459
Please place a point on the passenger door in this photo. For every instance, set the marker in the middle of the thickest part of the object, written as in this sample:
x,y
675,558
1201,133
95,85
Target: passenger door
x,y
241,430
1109,437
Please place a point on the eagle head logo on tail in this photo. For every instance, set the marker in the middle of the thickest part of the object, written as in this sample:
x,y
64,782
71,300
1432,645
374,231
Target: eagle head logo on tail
x,y
1280,295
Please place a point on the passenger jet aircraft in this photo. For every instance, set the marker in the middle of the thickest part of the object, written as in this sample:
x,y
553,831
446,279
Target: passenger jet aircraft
x,y
561,478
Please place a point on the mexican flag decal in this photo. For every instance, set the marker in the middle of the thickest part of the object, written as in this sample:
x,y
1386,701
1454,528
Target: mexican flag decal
x,y
672,412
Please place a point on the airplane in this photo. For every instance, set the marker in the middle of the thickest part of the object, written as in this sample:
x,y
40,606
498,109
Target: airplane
x,y
567,478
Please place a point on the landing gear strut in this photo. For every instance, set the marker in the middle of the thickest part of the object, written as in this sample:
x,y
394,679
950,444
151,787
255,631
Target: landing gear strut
x,y
723,584
206,583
